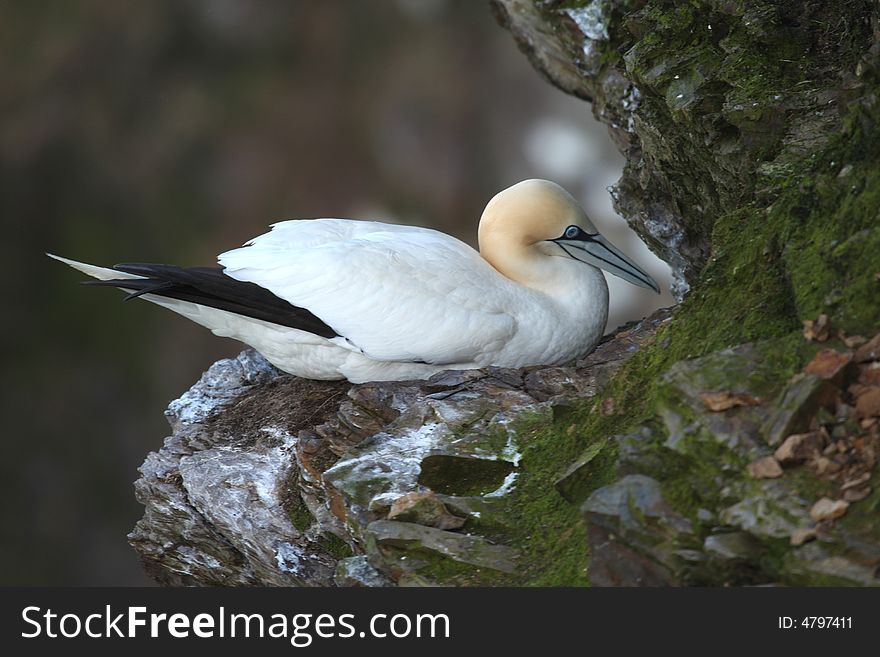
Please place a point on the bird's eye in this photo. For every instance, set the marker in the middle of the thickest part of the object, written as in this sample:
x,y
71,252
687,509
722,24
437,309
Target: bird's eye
x,y
572,231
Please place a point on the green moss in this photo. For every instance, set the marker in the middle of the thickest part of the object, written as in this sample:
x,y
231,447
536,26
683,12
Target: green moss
x,y
296,509
833,255
588,472
455,475
299,515
429,568
334,546
545,528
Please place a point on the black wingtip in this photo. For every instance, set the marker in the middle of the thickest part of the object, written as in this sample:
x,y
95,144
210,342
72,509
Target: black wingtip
x,y
134,295
138,286
209,286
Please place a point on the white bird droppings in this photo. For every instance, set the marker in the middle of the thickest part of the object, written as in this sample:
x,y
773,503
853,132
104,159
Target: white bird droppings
x,y
591,20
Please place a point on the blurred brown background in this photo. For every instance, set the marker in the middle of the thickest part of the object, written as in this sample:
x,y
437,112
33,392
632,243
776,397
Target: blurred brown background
x,y
172,130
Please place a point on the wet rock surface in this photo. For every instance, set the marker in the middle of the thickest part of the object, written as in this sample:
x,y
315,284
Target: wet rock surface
x,y
272,480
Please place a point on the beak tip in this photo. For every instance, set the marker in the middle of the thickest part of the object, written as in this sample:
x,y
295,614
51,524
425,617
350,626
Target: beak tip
x,y
609,258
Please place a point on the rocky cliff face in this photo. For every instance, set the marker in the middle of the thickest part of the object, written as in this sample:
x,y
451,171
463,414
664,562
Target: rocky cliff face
x,y
733,442
274,480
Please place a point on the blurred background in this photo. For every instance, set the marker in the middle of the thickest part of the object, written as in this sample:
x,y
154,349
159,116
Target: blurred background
x,y
172,130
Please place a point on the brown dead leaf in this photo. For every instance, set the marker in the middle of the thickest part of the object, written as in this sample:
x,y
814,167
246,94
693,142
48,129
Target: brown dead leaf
x,y
802,535
869,351
857,389
856,482
869,375
868,402
798,447
827,363
818,330
828,509
851,341
721,401
765,468
856,494
824,466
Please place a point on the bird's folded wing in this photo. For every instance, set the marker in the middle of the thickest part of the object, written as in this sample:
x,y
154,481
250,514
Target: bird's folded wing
x,y
393,292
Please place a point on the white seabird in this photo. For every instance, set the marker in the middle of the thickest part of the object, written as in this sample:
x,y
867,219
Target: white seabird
x,y
368,301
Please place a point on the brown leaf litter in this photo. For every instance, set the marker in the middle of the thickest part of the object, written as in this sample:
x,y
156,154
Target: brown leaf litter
x,y
722,401
765,468
842,446
828,363
818,329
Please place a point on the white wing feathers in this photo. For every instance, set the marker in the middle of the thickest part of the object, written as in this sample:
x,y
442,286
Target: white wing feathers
x,y
393,292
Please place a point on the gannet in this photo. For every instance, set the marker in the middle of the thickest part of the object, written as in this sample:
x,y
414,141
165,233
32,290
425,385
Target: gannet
x,y
368,301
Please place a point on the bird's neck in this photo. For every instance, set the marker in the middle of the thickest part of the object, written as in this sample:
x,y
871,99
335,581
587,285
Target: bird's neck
x,y
564,279
575,291
526,265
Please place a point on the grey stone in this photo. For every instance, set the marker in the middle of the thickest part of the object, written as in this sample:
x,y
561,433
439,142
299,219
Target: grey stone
x,y
472,550
814,559
424,509
631,504
732,546
796,406
357,571
635,536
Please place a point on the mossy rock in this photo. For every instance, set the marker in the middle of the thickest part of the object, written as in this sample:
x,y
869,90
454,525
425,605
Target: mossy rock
x,y
753,168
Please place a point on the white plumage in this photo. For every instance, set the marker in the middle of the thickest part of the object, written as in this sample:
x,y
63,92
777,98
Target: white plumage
x,y
406,302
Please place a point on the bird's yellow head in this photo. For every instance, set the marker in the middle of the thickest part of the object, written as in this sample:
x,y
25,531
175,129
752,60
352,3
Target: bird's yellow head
x,y
536,219
531,211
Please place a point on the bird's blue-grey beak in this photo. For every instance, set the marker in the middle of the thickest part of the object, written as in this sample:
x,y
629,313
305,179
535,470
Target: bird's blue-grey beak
x,y
595,250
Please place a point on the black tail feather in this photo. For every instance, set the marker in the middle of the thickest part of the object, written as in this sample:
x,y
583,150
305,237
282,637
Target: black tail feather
x,y
140,287
209,286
